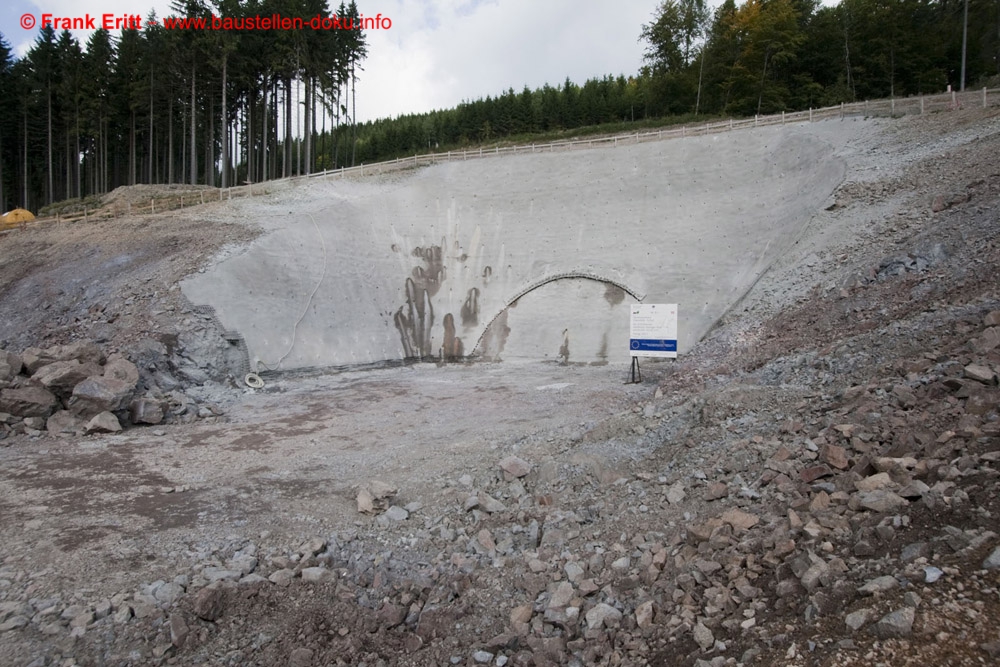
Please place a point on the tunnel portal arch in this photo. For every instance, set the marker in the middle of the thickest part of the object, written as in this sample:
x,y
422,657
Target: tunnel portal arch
x,y
545,280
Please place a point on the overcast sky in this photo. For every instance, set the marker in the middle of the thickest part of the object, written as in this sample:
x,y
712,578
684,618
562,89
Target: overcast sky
x,y
440,52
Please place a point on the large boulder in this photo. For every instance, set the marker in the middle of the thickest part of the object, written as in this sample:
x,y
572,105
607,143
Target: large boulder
x,y
146,411
100,394
10,365
35,358
28,402
60,377
120,368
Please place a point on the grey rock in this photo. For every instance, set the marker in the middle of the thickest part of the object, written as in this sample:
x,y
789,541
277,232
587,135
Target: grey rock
x,y
562,596
146,411
178,630
898,624
811,578
120,368
882,501
374,496
879,585
573,571
301,657
103,422
13,623
64,421
676,494
397,513
316,574
992,562
603,615
209,603
100,394
245,564
28,401
10,365
932,574
703,637
979,373
857,619
912,552
282,577
489,504
35,358
482,657
514,468
60,377
213,574
168,593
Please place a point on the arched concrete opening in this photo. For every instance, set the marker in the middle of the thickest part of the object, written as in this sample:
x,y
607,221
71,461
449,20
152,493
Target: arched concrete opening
x,y
569,317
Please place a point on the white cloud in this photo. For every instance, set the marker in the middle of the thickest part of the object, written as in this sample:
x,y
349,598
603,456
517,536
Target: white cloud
x,y
438,54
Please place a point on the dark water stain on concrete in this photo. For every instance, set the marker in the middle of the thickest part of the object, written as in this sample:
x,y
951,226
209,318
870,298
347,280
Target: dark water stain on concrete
x,y
602,351
415,319
470,309
495,337
430,276
452,348
613,294
564,348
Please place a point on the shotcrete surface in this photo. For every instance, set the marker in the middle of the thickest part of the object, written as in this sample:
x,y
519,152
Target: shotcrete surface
x,y
528,257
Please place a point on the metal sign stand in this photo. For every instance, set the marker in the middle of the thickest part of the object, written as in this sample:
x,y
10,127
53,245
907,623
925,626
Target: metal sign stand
x,y
635,372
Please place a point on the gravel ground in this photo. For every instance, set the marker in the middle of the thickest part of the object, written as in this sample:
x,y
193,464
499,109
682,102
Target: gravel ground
x,y
816,484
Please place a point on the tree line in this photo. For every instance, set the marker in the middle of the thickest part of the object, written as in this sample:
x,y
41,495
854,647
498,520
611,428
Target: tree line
x,y
222,108
758,57
177,106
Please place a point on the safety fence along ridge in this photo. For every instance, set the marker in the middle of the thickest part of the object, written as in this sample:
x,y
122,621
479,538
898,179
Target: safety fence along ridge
x,y
949,101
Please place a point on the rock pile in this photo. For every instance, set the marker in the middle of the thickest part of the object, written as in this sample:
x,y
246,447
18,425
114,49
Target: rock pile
x,y
73,389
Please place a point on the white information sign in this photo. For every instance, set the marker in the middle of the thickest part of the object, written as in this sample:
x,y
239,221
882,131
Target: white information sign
x,y
653,330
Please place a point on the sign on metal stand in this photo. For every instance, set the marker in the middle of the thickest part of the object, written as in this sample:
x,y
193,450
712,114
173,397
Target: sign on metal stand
x,y
652,333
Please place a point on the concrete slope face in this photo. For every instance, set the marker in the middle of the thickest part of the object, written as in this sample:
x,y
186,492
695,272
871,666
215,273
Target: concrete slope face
x,y
527,257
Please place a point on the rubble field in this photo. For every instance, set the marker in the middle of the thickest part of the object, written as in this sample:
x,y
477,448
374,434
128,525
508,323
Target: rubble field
x,y
816,483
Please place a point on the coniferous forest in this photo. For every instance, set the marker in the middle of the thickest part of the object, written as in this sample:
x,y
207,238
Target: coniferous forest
x,y
225,108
